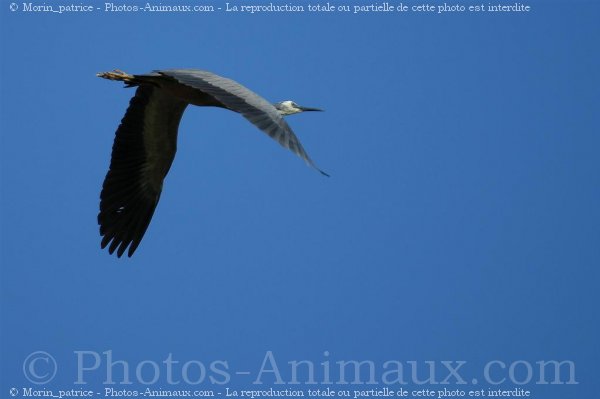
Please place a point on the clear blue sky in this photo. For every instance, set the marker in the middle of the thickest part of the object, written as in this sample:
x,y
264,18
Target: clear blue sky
x,y
460,222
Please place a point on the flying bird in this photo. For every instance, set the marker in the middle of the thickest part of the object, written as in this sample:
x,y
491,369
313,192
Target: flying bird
x,y
146,142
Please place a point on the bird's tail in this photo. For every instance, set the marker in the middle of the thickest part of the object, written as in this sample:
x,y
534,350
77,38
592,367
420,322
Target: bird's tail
x,y
119,75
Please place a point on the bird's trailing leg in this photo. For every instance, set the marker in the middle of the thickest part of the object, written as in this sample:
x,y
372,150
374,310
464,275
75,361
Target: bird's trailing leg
x,y
117,74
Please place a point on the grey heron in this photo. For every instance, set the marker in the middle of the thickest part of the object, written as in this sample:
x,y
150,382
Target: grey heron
x,y
146,141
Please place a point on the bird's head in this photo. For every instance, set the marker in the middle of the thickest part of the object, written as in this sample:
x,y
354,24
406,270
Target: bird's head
x,y
289,108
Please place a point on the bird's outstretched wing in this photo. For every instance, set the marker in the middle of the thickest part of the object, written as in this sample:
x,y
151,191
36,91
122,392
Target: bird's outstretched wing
x,y
143,151
240,99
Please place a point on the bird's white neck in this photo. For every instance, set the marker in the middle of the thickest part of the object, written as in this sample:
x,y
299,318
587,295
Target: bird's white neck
x,y
287,108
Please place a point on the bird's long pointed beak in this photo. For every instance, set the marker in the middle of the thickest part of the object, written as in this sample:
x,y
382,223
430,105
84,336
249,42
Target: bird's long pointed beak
x,y
309,109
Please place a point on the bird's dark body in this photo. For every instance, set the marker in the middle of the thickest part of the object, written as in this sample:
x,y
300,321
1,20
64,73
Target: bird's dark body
x,y
171,86
146,142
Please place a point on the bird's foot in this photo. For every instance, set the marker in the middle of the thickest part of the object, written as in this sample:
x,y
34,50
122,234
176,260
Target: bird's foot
x,y
116,74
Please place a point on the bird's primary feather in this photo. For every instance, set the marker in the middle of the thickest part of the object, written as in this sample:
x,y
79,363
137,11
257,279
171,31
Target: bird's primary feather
x,y
143,150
